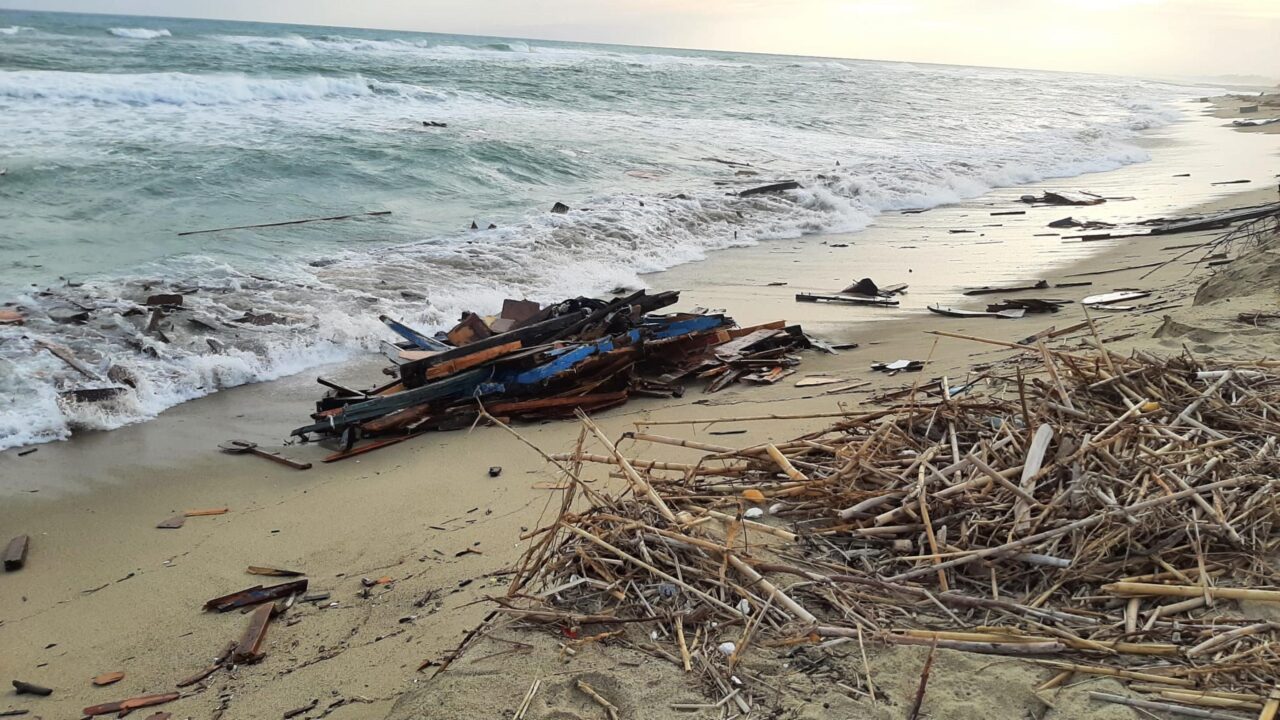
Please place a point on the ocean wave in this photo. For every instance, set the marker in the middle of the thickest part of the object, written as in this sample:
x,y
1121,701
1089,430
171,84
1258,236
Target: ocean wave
x,y
508,51
14,30
190,89
139,33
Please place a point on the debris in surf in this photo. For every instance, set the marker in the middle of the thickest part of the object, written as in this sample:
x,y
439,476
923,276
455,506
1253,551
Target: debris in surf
x,y
11,317
559,208
1064,198
376,213
771,188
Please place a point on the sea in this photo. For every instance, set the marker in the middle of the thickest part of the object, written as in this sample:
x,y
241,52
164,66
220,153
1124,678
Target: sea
x,y
119,134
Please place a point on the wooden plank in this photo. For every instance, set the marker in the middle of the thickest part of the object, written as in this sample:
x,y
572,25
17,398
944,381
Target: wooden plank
x,y
377,445
15,555
512,408
65,355
249,649
452,366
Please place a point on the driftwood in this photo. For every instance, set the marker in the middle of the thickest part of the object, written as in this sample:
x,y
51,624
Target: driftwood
x,y
1094,509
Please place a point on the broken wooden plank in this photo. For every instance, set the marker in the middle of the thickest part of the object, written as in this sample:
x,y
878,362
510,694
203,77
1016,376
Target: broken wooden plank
x,y
375,213
65,355
256,594
771,188
850,299
15,554
249,649
273,572
124,707
469,361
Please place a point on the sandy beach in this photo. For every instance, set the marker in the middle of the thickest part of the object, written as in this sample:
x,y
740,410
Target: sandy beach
x,y
104,590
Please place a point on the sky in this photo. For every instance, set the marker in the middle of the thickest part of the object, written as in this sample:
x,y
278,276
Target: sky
x,y
1186,38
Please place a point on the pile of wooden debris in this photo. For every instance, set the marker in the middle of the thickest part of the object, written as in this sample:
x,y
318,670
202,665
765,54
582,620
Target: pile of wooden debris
x,y
535,362
1099,516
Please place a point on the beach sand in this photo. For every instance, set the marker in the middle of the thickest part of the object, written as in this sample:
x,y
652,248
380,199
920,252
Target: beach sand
x,y
1268,106
104,590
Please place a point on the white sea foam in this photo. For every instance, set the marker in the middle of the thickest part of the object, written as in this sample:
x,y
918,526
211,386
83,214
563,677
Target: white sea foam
x,y
139,33
14,30
188,89
514,51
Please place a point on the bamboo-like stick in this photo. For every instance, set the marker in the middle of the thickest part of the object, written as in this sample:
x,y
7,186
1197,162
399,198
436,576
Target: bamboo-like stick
x,y
641,485
1162,707
1077,525
1214,593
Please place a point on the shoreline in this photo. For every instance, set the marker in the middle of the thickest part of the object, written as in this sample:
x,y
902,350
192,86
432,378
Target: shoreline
x,y
410,512
175,365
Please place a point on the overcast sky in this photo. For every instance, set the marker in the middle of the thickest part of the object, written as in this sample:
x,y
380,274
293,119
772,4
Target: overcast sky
x,y
1165,37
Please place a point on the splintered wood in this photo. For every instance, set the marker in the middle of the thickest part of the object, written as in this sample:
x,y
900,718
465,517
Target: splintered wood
x,y
1100,515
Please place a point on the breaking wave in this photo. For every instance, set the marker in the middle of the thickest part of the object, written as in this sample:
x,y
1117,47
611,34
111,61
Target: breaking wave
x,y
139,33
14,30
189,89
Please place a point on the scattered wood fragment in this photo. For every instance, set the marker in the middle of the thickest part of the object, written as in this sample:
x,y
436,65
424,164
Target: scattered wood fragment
x,y
124,707
108,678
25,688
376,213
255,595
273,572
15,553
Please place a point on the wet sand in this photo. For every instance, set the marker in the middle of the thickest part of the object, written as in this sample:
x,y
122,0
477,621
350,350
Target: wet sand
x,y
104,590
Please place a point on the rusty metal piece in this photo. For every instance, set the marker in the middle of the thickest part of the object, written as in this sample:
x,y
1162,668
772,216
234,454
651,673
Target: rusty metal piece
x,y
256,594
15,555
249,650
126,706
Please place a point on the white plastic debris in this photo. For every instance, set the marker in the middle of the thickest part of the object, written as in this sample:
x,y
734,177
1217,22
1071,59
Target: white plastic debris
x,y
744,607
776,508
753,513
727,648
